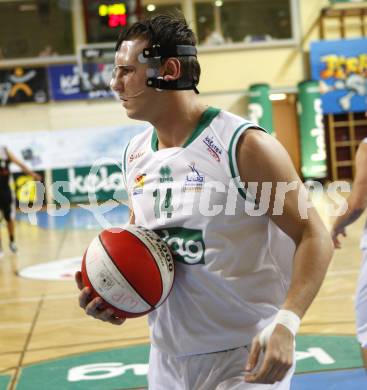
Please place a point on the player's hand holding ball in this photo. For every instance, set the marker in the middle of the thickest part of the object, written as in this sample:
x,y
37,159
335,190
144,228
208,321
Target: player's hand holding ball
x,y
126,272
95,307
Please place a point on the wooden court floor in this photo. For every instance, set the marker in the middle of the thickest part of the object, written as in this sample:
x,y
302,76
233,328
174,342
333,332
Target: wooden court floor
x,y
41,320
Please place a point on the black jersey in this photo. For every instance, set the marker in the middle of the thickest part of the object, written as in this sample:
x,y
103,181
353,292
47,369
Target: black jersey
x,y
4,170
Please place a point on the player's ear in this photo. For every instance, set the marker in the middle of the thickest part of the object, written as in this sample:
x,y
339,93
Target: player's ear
x,y
172,69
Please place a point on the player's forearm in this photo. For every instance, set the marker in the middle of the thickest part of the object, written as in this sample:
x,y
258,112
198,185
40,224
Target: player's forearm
x,y
355,210
311,260
349,217
24,168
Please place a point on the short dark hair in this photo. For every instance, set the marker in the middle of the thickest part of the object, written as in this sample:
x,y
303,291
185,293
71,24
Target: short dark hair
x,y
169,31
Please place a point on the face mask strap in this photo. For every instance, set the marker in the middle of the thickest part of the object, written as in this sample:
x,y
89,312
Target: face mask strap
x,y
175,85
156,52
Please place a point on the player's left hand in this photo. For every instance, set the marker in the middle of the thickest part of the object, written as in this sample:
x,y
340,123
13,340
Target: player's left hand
x,y
277,360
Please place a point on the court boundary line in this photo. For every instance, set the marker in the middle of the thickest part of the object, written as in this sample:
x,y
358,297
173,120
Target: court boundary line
x,y
15,376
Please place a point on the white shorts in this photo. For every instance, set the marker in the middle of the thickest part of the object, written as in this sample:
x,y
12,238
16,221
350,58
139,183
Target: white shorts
x,y
361,303
213,371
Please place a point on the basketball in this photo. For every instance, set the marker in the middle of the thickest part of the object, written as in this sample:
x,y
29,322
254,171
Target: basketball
x,y
130,268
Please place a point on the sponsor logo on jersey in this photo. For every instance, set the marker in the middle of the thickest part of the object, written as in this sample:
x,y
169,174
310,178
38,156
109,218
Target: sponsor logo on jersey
x,y
214,150
194,180
166,174
135,156
139,184
187,245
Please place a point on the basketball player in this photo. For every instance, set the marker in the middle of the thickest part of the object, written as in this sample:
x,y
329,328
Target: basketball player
x,y
6,197
244,278
357,203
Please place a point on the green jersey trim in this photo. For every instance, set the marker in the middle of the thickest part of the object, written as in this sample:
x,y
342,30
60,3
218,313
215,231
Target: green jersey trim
x,y
154,141
125,153
204,122
232,158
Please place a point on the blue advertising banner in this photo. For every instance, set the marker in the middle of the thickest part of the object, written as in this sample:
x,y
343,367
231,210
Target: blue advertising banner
x,y
67,82
340,66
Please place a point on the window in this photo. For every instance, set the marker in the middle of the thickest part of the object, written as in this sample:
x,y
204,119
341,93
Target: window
x,y
35,28
104,19
151,8
215,22
231,21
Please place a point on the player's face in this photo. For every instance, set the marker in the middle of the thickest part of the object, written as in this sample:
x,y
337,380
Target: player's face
x,y
129,80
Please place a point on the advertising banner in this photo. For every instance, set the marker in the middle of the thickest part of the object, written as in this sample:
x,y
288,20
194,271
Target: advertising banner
x,y
97,62
260,107
87,184
340,66
312,134
30,147
23,85
68,82
70,148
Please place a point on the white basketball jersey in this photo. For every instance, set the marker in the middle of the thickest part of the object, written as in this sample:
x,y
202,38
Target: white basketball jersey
x,y
233,270
364,234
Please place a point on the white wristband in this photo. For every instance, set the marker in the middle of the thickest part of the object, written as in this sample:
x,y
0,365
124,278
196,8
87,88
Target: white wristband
x,y
287,318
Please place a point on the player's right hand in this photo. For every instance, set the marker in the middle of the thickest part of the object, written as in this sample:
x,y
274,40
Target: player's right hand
x,y
335,232
95,307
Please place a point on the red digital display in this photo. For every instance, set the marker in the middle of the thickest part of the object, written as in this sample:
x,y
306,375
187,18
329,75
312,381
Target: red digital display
x,y
116,14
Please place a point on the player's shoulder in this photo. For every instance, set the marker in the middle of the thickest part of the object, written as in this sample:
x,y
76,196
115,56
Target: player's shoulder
x,y
362,152
137,146
139,141
363,146
228,127
143,138
228,119
259,143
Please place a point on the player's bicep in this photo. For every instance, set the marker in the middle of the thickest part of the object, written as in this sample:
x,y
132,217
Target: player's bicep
x,y
262,159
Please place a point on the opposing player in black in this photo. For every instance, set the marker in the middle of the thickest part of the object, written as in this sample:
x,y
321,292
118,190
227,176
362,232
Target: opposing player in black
x,y
6,196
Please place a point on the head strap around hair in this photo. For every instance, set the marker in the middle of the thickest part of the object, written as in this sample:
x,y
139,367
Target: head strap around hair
x,y
157,50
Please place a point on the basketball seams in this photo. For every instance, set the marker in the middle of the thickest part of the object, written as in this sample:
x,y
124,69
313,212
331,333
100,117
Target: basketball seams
x,y
155,263
166,277
122,273
133,286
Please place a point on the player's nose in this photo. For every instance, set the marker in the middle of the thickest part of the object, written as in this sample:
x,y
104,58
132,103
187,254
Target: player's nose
x,y
116,84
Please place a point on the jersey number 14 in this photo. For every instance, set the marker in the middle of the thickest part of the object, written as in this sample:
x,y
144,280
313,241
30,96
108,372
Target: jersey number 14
x,y
165,206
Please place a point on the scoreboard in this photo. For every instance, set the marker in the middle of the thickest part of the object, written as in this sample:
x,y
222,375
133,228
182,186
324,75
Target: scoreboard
x,y
104,19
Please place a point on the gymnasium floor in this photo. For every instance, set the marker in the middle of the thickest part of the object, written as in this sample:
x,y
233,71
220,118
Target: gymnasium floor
x,y
47,342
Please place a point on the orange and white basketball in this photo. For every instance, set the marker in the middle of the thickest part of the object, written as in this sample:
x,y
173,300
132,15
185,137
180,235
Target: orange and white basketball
x,y
130,268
